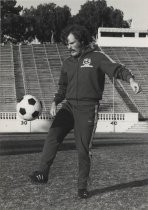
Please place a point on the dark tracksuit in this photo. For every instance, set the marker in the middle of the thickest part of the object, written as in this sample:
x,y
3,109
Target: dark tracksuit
x,y
81,83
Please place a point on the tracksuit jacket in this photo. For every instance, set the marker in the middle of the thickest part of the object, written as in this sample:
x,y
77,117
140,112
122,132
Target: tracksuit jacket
x,y
82,79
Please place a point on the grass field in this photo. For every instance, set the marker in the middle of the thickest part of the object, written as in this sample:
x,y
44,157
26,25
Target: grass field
x,y
119,180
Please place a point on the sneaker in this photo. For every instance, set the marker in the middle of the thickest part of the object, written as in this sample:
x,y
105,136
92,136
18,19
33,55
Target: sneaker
x,y
83,193
39,177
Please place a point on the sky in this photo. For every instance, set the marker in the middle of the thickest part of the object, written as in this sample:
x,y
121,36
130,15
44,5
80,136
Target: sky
x,y
132,9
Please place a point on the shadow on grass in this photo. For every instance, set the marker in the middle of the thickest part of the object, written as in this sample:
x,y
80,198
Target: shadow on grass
x,y
137,183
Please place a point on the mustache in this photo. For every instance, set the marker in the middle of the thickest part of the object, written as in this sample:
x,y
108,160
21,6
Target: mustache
x,y
71,50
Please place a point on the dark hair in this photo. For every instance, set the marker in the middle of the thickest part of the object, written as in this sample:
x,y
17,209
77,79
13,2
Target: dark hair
x,y
79,32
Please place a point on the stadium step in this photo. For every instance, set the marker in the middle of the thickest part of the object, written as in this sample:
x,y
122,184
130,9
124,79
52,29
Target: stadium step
x,y
139,127
35,70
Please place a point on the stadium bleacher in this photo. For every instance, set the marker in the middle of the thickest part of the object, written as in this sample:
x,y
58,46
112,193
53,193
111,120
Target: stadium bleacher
x,y
35,69
131,58
19,81
7,79
45,75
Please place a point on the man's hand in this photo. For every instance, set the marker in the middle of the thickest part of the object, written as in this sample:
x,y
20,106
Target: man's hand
x,y
53,109
135,86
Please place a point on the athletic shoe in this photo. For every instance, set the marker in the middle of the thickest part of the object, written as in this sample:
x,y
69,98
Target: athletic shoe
x,y
39,177
83,193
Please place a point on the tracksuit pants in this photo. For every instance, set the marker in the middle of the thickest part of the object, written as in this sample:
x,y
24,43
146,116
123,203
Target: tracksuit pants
x,y
81,118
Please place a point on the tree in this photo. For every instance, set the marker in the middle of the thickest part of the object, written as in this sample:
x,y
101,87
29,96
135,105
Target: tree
x,y
49,21
94,14
9,7
91,15
30,24
10,20
62,17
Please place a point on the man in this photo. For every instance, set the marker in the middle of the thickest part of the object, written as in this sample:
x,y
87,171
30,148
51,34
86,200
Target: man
x,y
81,83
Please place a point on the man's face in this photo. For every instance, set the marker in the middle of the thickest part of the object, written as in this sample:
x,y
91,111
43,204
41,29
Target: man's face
x,y
74,46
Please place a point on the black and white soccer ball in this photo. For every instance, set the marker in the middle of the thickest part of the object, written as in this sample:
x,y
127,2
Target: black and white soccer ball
x,y
29,108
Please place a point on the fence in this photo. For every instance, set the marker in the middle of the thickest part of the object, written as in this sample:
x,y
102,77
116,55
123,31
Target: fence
x,y
107,122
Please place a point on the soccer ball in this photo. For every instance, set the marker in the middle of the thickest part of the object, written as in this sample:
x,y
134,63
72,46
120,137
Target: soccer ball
x,y
29,108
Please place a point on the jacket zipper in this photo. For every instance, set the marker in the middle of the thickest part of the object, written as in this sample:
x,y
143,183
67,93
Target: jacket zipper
x,y
78,67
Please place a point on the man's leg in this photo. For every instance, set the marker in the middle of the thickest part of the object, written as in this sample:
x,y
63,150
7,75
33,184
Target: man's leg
x,y
60,127
85,117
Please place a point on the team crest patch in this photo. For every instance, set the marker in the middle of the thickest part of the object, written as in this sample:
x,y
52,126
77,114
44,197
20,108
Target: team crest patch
x,y
86,63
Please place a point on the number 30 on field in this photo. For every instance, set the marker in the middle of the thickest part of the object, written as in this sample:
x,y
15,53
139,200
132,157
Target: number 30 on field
x,y
23,122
